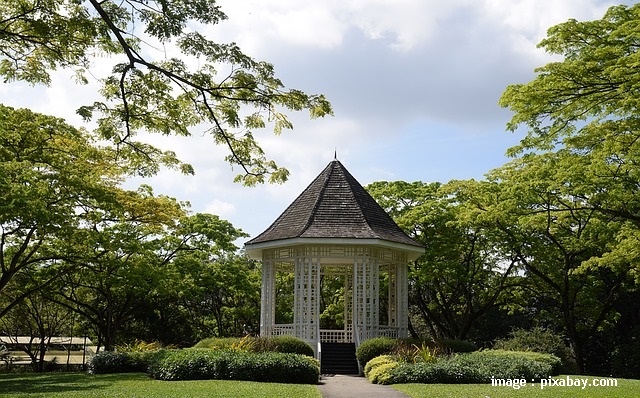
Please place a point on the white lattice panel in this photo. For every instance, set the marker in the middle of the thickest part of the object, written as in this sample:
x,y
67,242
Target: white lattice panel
x,y
306,313
268,298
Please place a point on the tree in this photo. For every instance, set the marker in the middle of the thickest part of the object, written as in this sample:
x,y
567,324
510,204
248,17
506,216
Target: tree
x,y
164,96
587,105
462,275
51,179
582,148
38,320
552,235
130,262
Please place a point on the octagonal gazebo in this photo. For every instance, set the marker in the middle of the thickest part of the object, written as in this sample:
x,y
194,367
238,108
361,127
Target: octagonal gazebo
x,y
334,227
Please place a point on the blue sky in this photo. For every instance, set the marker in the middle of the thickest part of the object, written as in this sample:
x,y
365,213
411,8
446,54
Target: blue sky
x,y
414,85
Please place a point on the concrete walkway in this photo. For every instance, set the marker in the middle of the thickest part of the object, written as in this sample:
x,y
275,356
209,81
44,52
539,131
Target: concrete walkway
x,y
350,386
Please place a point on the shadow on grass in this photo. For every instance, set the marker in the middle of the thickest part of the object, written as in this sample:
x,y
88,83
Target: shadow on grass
x,y
30,383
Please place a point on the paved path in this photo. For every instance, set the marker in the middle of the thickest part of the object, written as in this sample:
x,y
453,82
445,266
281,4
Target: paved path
x,y
351,386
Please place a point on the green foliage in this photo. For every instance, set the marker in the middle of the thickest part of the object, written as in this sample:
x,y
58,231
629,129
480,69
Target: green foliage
x,y
383,374
475,367
626,360
110,362
377,361
372,348
540,340
139,346
456,346
217,343
548,359
197,364
462,254
106,362
162,95
285,344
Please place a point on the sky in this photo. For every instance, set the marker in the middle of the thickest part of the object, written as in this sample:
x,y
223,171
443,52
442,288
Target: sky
x,y
414,86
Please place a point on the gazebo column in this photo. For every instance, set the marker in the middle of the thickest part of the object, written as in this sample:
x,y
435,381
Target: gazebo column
x,y
392,305
306,312
268,298
402,300
366,284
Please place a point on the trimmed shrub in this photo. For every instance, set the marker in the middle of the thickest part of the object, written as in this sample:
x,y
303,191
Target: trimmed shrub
x,y
202,364
548,359
375,347
285,344
541,340
217,343
383,374
377,361
475,367
108,362
122,362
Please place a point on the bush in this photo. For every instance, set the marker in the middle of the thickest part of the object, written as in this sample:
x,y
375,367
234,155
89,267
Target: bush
x,y
541,340
475,367
217,343
375,347
383,374
377,361
284,344
548,359
202,364
122,362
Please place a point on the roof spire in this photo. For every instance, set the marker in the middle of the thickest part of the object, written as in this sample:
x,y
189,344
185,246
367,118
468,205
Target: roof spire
x,y
335,154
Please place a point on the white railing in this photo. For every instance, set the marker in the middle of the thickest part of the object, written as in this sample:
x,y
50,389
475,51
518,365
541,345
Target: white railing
x,y
336,336
388,331
283,330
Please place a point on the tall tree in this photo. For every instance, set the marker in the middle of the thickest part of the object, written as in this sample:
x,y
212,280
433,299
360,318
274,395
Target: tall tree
x,y
51,179
462,275
587,105
581,149
229,91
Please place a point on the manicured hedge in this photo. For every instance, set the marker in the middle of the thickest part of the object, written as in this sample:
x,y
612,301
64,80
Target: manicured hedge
x,y
475,367
375,347
378,361
287,344
542,340
202,364
122,362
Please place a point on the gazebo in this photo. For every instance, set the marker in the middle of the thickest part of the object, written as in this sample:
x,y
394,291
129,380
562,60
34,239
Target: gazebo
x,y
335,228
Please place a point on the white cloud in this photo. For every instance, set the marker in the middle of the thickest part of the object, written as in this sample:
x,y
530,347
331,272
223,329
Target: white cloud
x,y
220,208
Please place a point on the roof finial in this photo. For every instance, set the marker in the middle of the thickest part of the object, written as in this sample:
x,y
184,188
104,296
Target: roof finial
x,y
335,154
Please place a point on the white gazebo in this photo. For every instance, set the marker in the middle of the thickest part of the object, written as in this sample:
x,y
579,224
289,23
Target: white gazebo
x,y
335,228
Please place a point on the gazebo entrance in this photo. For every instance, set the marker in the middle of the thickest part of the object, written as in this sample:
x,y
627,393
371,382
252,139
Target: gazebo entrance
x,y
334,229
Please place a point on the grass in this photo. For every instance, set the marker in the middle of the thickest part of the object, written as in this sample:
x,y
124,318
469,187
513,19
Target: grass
x,y
139,385
625,389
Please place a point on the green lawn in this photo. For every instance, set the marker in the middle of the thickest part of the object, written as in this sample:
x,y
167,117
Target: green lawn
x,y
625,389
138,385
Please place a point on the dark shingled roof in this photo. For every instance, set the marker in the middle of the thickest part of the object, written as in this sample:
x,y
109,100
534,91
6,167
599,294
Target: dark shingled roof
x,y
334,205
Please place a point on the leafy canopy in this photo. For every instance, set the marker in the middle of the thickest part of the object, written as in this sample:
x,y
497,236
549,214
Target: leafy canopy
x,y
228,91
